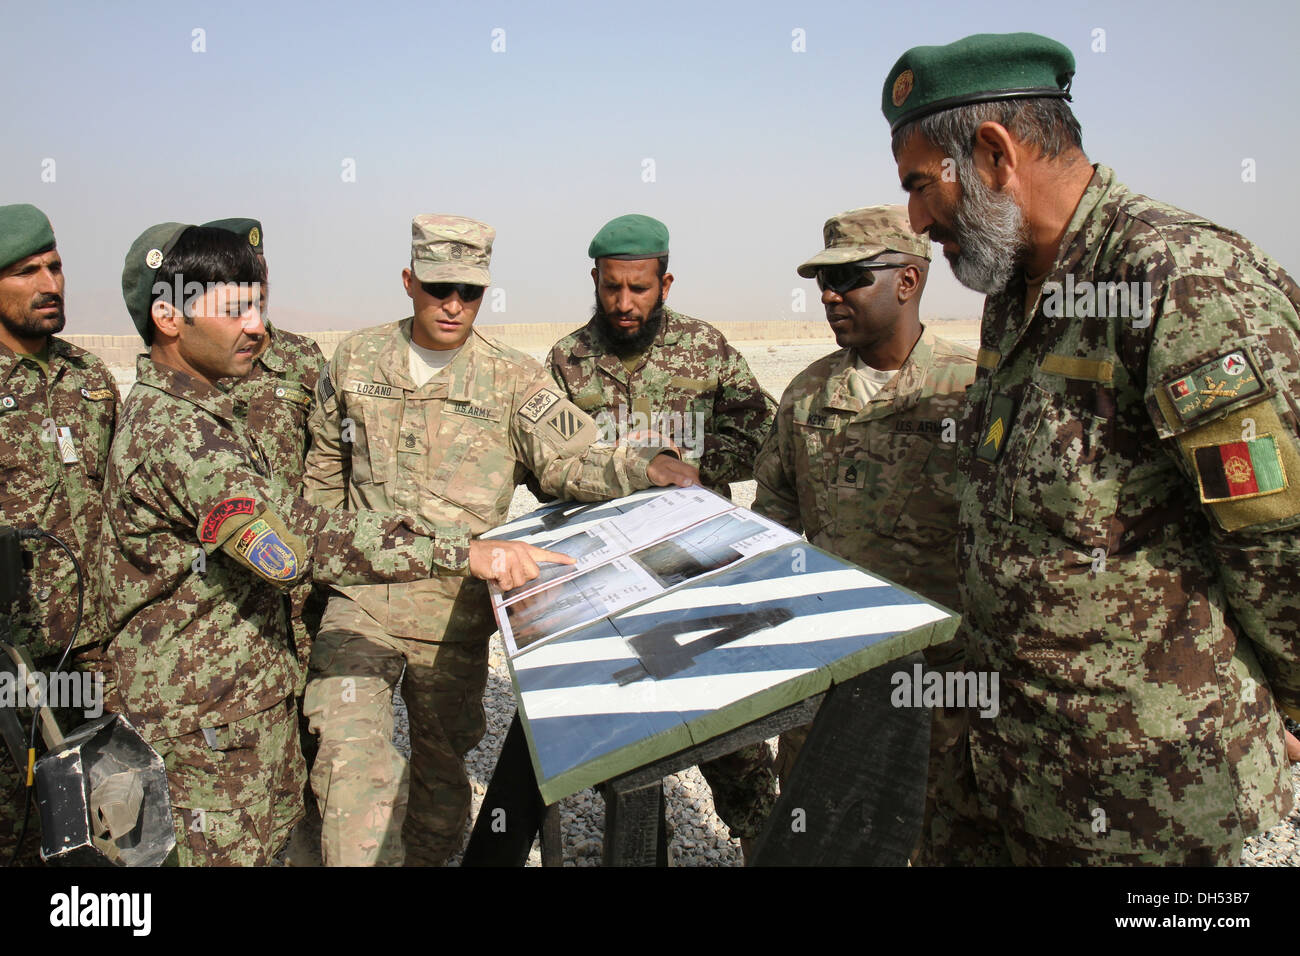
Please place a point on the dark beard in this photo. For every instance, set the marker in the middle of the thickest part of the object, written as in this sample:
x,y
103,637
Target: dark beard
x,y
30,327
626,344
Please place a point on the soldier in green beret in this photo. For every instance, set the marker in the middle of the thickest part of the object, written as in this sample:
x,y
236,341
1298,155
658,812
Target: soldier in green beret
x,y
202,539
647,372
58,406
1130,517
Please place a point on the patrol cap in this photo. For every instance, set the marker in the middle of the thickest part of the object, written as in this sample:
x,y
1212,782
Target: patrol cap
x,y
142,261
975,69
630,237
864,234
249,228
24,231
451,249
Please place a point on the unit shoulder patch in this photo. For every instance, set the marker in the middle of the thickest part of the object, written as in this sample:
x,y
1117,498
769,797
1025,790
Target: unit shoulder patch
x,y
210,529
538,405
266,552
566,422
1224,380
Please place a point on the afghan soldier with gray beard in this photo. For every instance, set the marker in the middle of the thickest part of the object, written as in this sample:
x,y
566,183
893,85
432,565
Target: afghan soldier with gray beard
x,y
201,538
58,405
648,373
427,416
863,456
1128,526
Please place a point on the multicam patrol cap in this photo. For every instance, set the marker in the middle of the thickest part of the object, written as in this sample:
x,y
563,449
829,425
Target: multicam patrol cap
x,y
249,228
24,231
451,249
975,69
630,237
864,234
142,261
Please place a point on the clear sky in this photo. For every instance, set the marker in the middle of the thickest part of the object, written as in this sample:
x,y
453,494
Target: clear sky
x,y
753,142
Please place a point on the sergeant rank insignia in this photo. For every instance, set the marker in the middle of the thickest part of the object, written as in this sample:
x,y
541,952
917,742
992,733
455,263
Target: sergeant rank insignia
x,y
1213,385
990,443
1237,470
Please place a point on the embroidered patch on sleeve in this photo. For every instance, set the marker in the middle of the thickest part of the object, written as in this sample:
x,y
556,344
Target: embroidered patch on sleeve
x,y
1221,381
566,423
1242,469
98,394
993,437
292,392
262,547
228,508
539,405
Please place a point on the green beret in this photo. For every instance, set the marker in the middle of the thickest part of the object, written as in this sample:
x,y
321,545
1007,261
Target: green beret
x,y
24,231
249,228
630,237
975,69
142,261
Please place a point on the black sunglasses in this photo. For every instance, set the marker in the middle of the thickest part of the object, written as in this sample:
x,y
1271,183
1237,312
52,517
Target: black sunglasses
x,y
846,278
440,290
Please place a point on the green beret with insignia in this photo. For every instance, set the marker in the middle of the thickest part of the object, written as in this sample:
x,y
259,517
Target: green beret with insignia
x,y
24,231
861,234
142,261
630,237
975,69
250,229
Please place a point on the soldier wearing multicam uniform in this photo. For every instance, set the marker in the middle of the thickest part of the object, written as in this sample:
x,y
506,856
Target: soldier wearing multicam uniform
x,y
200,535
1129,526
644,370
428,416
863,456
58,405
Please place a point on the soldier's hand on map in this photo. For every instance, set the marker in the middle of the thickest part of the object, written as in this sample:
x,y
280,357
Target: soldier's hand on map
x,y
666,469
509,564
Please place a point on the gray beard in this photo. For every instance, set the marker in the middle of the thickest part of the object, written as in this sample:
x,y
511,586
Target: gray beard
x,y
992,234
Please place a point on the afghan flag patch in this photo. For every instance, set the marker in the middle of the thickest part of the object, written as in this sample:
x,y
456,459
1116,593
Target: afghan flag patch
x,y
1240,469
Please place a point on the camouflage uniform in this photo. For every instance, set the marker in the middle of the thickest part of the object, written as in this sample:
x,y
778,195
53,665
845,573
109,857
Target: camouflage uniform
x,y
1141,609
875,482
39,489
452,449
275,401
691,375
199,534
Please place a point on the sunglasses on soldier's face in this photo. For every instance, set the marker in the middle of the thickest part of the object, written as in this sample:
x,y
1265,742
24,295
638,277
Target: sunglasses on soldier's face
x,y
441,290
846,278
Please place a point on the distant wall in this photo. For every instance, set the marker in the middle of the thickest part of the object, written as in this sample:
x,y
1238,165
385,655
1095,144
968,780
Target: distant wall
x,y
121,350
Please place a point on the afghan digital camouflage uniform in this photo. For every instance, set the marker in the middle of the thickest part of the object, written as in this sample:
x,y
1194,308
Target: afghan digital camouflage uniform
x,y
201,538
451,450
52,481
275,401
1128,541
693,382
874,480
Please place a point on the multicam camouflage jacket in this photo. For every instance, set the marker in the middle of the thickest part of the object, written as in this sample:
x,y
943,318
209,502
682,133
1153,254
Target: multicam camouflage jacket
x,y
873,481
55,433
452,450
691,385
1129,533
200,536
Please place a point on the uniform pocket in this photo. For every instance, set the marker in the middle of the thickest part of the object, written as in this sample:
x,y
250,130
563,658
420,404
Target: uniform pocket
x,y
1057,473
475,453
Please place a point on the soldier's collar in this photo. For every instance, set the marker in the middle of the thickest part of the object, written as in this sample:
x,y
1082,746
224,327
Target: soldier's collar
x,y
57,356
183,386
271,356
1080,243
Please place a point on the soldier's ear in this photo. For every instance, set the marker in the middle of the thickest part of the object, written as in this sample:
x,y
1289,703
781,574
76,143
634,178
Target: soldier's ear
x,y
909,283
595,276
408,282
996,156
665,284
166,317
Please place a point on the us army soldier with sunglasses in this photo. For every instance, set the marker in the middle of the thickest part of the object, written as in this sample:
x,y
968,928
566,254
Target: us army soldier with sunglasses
x,y
426,416
862,458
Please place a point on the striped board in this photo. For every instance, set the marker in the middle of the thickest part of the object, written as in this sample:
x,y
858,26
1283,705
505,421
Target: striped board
x,y
703,658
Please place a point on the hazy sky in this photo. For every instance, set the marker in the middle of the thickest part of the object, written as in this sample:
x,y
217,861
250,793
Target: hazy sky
x,y
753,143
